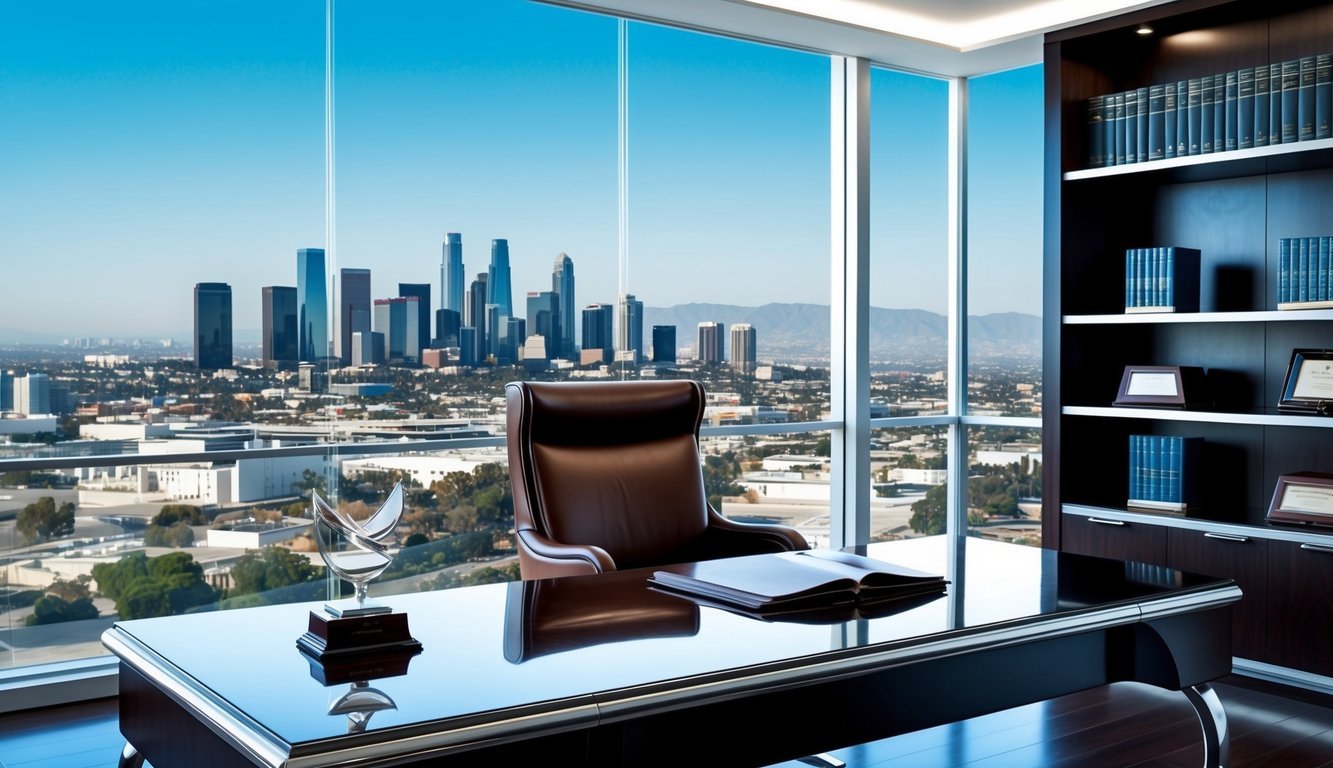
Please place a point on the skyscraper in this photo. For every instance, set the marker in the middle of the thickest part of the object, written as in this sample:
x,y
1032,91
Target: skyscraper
x,y
629,329
6,391
664,343
475,316
447,323
562,285
597,333
32,394
212,326
422,292
743,347
278,307
544,320
498,289
396,318
453,284
711,346
354,308
312,305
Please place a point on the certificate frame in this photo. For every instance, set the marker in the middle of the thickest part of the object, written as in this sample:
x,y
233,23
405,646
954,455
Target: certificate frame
x,y
1308,387
1160,386
1303,497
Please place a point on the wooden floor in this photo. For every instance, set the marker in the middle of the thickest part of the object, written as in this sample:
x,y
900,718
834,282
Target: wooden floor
x,y
1119,725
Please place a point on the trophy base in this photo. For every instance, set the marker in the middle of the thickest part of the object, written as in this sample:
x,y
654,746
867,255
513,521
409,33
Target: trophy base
x,y
378,633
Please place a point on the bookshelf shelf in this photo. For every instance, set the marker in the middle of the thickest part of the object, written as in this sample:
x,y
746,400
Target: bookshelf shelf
x,y
1235,207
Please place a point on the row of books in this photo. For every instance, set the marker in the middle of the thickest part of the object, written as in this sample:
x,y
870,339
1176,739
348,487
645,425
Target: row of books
x,y
1252,107
1303,272
1162,279
1164,472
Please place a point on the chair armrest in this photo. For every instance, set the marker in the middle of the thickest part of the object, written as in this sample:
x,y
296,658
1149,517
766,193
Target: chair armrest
x,y
780,538
549,558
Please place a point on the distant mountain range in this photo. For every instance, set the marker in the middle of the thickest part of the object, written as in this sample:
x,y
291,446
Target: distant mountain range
x,y
788,332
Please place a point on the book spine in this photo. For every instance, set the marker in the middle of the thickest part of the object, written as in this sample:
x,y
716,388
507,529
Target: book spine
x,y
1305,100
1206,114
1291,83
1323,96
1302,269
1169,111
1245,108
1141,141
1131,125
1174,449
1135,466
1096,132
1156,123
1261,105
1154,468
1230,116
1118,127
1186,279
1284,270
1129,278
1139,299
1219,112
1324,257
1275,103
1169,278
1194,116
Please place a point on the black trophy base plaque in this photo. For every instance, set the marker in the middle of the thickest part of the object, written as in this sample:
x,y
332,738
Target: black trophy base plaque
x,y
329,637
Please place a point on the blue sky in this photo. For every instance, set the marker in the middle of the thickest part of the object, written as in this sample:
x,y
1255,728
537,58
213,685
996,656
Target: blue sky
x,y
147,146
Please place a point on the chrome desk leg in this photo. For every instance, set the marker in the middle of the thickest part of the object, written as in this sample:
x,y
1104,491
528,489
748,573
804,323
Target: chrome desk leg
x,y
1213,720
130,757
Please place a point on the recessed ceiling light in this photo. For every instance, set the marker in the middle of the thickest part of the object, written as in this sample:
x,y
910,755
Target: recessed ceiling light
x,y
1144,30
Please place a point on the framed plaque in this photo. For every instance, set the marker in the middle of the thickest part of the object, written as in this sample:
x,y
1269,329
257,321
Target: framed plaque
x,y
1309,385
1303,497
1160,386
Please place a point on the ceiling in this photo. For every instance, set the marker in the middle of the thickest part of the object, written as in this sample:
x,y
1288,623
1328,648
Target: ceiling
x,y
944,37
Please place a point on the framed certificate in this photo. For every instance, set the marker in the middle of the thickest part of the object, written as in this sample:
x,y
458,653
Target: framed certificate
x,y
1309,385
1160,386
1303,497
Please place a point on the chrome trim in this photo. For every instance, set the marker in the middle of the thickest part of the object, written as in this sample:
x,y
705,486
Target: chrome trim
x,y
1225,536
1192,602
1284,675
1201,525
1213,722
1317,547
1101,521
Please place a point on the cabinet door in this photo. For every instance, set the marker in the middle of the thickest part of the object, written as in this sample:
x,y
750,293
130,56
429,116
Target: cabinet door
x,y
1242,558
1114,539
1300,606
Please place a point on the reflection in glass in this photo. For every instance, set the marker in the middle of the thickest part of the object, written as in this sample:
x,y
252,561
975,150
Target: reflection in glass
x,y
359,702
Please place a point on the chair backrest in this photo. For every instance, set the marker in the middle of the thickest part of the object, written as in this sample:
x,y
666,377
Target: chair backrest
x,y
609,464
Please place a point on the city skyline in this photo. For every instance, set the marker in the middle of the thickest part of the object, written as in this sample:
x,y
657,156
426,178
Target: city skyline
x,y
194,123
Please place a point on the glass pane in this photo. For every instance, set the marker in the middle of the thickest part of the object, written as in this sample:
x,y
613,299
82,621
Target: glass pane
x,y
1004,484
908,476
908,241
1005,242
781,478
728,178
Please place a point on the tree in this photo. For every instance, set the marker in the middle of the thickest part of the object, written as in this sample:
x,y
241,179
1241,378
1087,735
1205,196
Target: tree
x,y
928,514
143,587
170,514
909,461
43,520
179,535
50,609
271,568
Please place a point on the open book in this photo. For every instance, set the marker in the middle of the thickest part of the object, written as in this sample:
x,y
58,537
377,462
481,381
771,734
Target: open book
x,y
810,580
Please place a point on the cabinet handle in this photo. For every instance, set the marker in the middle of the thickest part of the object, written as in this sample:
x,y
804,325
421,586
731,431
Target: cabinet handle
x,y
1100,521
1318,548
1225,536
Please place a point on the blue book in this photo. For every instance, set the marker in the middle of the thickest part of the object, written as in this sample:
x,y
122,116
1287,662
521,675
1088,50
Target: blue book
x,y
1185,278
1230,132
1168,277
1302,264
1305,100
1261,105
1323,96
1182,118
1131,126
1156,139
1188,466
1322,270
1194,116
1291,83
1172,491
1108,125
1154,468
1275,103
1096,132
1169,112
1135,466
1140,295
1206,114
1245,108
1141,140
1118,128
1219,112
1284,270
1129,278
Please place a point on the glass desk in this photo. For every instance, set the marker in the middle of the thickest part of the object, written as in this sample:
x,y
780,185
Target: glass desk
x,y
602,670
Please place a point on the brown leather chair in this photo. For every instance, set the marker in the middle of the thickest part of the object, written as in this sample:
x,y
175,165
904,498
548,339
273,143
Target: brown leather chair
x,y
606,476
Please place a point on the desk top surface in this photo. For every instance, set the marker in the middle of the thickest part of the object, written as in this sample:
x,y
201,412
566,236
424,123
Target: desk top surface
x,y
575,647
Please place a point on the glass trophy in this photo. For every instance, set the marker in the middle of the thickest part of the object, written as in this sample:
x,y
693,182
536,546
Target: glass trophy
x,y
357,552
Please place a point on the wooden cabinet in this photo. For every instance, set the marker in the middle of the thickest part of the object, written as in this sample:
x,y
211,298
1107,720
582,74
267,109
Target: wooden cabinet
x,y
1234,206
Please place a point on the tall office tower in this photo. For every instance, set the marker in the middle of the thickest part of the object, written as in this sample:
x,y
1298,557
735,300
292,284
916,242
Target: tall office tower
x,y
544,320
396,318
711,346
312,306
512,332
278,307
447,323
743,347
367,348
498,291
453,284
562,285
475,314
597,336
467,345
664,343
422,292
629,329
6,391
212,326
32,394
490,332
353,308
